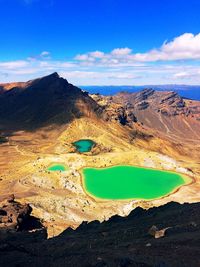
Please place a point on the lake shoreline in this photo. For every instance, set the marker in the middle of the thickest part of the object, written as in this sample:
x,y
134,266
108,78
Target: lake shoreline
x,y
188,180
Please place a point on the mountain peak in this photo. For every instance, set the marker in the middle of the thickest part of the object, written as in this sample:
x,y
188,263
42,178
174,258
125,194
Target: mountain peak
x,y
46,81
47,100
54,74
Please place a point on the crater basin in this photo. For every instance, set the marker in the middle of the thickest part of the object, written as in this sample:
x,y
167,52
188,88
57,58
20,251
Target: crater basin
x,y
84,145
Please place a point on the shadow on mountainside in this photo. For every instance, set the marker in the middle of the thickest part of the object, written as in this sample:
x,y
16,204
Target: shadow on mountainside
x,y
43,102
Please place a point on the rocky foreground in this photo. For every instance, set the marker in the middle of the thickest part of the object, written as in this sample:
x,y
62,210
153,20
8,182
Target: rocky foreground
x,y
161,237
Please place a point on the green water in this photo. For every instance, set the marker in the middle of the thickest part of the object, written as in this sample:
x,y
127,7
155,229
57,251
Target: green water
x,y
57,167
127,182
84,145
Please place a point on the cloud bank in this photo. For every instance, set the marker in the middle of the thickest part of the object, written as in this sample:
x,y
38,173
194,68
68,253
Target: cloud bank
x,y
175,61
184,47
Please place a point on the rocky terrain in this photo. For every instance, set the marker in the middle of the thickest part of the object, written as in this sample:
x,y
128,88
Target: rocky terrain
x,y
39,121
167,236
166,112
17,217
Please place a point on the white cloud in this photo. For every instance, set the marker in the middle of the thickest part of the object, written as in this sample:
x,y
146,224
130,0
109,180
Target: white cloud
x,y
183,47
97,54
185,43
82,57
188,75
99,78
97,75
121,51
90,75
45,53
9,65
181,75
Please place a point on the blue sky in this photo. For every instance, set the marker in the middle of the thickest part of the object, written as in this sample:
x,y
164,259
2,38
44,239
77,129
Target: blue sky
x,y
101,42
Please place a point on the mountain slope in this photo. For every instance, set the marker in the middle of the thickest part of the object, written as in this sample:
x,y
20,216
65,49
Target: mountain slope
x,y
42,102
168,114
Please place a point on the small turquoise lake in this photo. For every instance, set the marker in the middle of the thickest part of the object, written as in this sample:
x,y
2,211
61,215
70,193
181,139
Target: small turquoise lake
x,y
57,167
84,145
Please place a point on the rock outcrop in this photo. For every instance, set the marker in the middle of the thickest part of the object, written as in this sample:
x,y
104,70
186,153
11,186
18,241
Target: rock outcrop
x,y
13,214
16,216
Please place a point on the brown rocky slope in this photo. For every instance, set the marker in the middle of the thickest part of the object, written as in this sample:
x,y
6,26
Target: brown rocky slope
x,y
166,113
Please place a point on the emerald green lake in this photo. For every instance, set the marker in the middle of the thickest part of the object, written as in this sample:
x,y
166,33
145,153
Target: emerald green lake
x,y
84,145
128,182
57,167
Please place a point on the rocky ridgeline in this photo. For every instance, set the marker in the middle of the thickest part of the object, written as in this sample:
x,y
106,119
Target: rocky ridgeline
x,y
59,102
168,103
169,113
155,112
167,236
